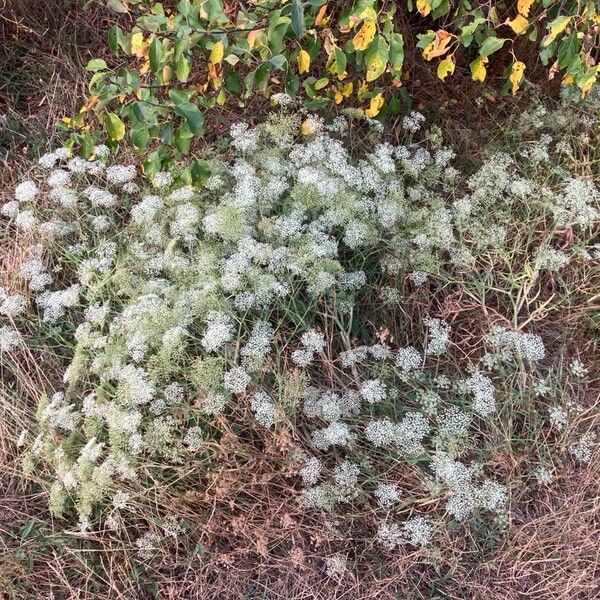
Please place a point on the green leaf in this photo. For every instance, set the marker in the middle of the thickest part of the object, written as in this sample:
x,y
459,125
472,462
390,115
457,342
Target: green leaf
x,y
466,32
139,136
165,135
182,138
180,47
396,53
184,8
215,12
156,55
233,83
115,38
143,113
440,8
425,39
153,163
181,96
200,171
182,68
278,27
298,18
261,77
96,64
27,528
292,83
191,113
568,50
376,57
114,127
88,141
277,61
491,45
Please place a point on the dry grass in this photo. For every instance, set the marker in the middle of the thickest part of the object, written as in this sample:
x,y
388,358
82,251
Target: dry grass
x,y
44,47
551,550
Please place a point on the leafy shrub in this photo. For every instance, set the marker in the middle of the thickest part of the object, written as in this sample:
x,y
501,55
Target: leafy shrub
x,y
199,54
273,294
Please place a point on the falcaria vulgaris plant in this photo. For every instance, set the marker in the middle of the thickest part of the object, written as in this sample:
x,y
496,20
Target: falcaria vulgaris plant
x,y
274,294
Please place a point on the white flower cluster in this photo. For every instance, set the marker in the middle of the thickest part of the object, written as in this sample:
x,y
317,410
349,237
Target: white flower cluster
x,y
312,342
467,496
417,531
191,302
265,412
507,343
219,330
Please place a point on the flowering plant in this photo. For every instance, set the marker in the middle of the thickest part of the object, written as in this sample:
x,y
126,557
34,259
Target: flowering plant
x,y
253,295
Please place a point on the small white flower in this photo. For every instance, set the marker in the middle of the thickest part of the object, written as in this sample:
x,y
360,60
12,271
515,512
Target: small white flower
x,y
26,191
577,368
373,391
236,380
162,179
387,494
558,417
120,174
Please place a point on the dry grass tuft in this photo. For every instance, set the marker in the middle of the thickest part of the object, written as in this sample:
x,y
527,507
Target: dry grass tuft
x,y
551,550
44,47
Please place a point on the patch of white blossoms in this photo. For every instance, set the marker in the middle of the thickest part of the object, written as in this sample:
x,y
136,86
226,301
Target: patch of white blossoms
x,y
184,305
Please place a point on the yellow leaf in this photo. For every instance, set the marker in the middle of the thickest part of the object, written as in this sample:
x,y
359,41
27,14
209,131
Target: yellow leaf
x,y
368,13
347,89
374,106
343,91
253,37
321,18
90,102
519,24
587,86
303,62
516,75
214,76
138,48
493,16
555,27
446,67
329,41
439,45
216,54
568,79
423,7
364,36
145,67
478,70
167,73
363,88
523,7
586,83
376,68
